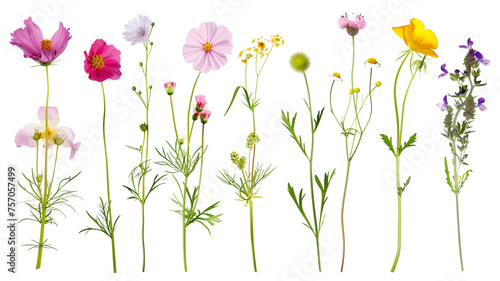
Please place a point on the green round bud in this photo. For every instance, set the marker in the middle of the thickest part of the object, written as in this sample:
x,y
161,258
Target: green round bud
x,y
150,87
143,127
140,64
300,62
37,135
152,24
133,88
139,92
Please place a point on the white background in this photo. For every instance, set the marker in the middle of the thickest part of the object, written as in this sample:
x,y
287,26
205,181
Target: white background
x,y
285,248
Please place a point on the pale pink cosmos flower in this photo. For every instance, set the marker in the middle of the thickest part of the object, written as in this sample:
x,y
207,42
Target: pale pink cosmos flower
x,y
207,46
352,26
205,115
200,103
24,137
137,30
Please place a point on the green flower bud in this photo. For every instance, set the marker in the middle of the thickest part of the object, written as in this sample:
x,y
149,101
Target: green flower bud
x,y
39,178
234,157
58,139
241,162
37,135
448,118
133,88
300,62
470,105
143,127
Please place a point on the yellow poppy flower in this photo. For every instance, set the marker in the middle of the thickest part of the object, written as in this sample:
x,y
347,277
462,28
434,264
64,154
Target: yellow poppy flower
x,y
418,38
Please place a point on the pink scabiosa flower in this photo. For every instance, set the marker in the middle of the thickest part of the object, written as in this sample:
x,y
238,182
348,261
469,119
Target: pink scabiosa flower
x,y
170,87
207,46
200,103
31,41
205,115
27,135
102,62
352,26
137,30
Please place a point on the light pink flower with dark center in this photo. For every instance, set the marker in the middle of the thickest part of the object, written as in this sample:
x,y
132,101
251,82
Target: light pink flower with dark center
x,y
31,41
24,137
207,46
352,26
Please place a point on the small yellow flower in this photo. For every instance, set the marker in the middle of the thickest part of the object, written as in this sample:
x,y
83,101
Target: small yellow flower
x,y
372,61
336,75
356,90
378,84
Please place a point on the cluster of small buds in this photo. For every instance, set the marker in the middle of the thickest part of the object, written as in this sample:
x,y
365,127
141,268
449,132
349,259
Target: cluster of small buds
x,y
252,139
37,135
240,162
470,107
261,47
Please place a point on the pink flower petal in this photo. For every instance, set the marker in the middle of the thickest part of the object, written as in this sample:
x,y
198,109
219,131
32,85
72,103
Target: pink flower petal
x,y
194,38
53,116
69,137
221,34
28,39
208,31
24,137
192,53
223,47
59,40
113,67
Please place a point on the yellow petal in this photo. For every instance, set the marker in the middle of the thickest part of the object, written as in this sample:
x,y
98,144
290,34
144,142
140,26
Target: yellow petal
x,y
416,29
424,50
428,39
399,30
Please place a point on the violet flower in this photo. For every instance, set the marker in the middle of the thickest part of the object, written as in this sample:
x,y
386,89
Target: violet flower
x,y
443,106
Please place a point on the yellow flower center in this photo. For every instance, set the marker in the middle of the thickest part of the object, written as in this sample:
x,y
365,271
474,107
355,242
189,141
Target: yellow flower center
x,y
336,74
207,47
46,45
50,134
372,61
97,61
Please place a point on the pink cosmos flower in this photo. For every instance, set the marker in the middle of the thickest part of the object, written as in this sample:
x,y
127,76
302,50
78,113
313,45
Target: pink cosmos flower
x,y
205,115
169,87
102,62
34,46
352,26
200,103
207,46
24,137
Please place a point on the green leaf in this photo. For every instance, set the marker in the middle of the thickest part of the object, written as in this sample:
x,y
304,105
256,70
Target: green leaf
x,y
318,119
388,142
448,179
247,97
410,142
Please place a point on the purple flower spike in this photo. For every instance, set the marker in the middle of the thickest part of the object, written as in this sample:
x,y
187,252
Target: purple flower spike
x,y
481,58
469,44
443,68
443,106
480,104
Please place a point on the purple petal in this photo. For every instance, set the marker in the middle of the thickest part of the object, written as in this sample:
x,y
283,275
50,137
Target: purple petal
x,y
482,107
445,100
441,106
478,55
469,42
457,71
480,101
485,62
28,39
463,46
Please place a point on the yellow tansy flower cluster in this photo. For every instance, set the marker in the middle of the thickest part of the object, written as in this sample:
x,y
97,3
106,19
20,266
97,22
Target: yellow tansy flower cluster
x,y
261,47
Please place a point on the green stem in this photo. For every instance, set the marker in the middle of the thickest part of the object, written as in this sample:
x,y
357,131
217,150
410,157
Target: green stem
x,y
316,232
252,237
201,165
53,171
173,117
396,259
395,96
44,197
36,158
190,102
458,228
342,213
111,230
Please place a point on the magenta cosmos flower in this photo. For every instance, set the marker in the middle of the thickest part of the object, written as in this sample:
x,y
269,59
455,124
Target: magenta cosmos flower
x,y
24,137
352,26
102,62
207,46
34,46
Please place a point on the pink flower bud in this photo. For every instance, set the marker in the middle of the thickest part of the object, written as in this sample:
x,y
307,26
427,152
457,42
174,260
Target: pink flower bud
x,y
205,115
200,103
170,87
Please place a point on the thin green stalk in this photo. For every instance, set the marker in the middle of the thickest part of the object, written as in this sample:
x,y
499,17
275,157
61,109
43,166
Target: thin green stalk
x,y
201,164
342,213
458,229
54,171
45,195
111,230
36,159
173,117
252,237
316,229
190,102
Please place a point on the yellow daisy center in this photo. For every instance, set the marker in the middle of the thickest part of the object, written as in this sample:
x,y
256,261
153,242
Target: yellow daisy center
x,y
207,47
97,61
372,61
336,74
46,45
50,134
